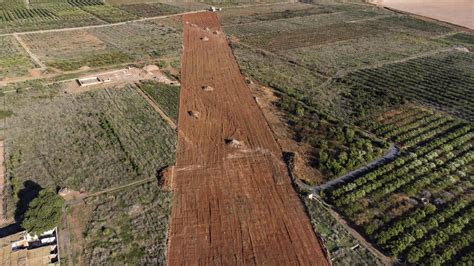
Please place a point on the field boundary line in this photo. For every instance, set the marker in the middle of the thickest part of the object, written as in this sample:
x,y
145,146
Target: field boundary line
x,y
342,73
385,259
110,190
155,106
29,52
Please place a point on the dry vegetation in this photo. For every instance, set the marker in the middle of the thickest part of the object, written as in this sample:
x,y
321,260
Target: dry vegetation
x,y
87,142
129,226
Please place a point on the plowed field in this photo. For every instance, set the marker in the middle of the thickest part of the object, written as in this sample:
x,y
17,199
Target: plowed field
x,y
233,202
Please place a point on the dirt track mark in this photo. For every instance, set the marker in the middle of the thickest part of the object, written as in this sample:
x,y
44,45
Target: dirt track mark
x,y
156,107
28,51
233,202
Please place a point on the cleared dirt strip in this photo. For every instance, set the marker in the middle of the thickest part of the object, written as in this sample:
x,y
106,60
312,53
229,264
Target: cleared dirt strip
x,y
233,202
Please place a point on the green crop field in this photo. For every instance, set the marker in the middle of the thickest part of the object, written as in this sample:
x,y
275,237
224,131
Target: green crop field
x,y
14,61
88,142
417,207
444,81
166,96
151,9
104,46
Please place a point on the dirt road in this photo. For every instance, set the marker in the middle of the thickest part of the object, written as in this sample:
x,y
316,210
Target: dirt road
x,y
233,202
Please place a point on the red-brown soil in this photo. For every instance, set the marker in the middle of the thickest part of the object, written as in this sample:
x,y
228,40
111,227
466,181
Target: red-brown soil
x,y
233,202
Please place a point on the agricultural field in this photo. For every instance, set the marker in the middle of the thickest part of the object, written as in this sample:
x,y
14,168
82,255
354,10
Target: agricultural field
x,y
335,58
443,81
151,39
45,16
343,248
109,13
14,61
104,46
462,39
166,96
151,9
128,226
72,50
338,147
418,206
86,142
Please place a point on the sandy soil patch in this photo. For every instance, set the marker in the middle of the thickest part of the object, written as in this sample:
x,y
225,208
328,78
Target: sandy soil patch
x,y
460,12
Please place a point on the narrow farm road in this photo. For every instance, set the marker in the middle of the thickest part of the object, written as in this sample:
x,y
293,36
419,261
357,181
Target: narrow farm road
x,y
390,154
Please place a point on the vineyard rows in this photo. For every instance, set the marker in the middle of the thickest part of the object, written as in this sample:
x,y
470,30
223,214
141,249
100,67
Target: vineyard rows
x,y
416,206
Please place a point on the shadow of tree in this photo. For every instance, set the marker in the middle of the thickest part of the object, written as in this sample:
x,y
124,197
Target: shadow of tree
x,y
29,192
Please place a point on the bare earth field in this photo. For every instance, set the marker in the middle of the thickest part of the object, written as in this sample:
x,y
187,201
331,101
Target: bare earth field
x,y
233,202
460,12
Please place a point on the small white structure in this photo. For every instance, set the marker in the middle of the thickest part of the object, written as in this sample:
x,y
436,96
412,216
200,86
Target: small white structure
x,y
214,9
84,82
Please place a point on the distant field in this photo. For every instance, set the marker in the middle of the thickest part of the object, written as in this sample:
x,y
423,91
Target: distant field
x,y
71,50
14,61
128,226
417,207
89,141
444,81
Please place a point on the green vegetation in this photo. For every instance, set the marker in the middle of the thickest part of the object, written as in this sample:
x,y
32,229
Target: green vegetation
x,y
420,203
104,46
151,9
108,13
92,60
43,213
444,81
13,59
166,96
89,141
127,227
343,248
338,147
462,39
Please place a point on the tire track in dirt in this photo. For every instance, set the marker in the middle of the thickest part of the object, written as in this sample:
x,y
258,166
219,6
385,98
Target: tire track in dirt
x,y
233,202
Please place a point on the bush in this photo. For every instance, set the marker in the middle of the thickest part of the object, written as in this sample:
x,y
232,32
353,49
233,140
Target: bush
x,y
43,212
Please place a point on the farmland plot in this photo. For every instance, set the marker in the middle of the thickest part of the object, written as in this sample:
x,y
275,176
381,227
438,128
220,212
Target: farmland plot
x,y
74,49
304,31
444,81
272,71
151,9
14,61
109,13
89,141
143,40
462,39
364,51
272,12
166,96
44,16
337,147
417,207
128,226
